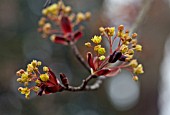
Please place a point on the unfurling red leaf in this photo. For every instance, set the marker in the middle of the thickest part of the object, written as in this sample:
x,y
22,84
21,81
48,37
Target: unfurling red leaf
x,y
60,40
77,35
66,25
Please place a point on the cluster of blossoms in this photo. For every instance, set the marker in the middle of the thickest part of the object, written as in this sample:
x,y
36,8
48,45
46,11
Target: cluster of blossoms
x,y
58,23
124,53
63,27
40,83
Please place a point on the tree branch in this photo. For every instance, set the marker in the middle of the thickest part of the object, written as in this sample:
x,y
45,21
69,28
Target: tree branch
x,y
47,3
79,57
141,15
84,86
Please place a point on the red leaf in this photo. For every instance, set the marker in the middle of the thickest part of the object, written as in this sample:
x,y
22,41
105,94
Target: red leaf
x,y
77,35
102,72
113,72
60,40
90,60
96,64
66,25
52,77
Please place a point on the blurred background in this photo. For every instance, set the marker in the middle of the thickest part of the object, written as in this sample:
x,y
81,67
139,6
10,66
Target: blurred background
x,y
20,43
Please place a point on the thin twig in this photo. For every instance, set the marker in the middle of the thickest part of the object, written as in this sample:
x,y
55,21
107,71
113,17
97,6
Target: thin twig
x,y
82,87
79,56
47,3
141,15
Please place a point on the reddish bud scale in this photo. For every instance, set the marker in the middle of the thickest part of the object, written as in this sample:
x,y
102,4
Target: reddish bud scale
x,y
115,56
64,79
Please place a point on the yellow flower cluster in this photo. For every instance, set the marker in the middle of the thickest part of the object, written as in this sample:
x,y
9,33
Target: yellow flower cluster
x,y
137,68
53,15
97,48
128,47
129,43
125,50
110,31
54,9
31,74
25,91
82,17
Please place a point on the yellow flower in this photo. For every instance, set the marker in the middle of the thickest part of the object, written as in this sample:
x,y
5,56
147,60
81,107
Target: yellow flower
x,y
24,77
97,47
88,44
138,69
80,17
36,89
124,48
20,72
87,15
44,77
27,96
135,78
130,52
102,58
19,80
121,28
133,63
39,63
38,82
42,21
46,28
67,9
134,42
30,68
52,8
96,39
34,63
102,30
45,69
129,57
25,91
101,51
120,34
110,31
44,11
138,48
134,35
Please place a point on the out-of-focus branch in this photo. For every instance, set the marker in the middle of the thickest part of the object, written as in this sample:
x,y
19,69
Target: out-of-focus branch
x,y
141,16
47,3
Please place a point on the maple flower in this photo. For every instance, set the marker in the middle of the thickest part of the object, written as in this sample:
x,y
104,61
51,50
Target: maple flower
x,y
124,53
96,39
58,23
45,83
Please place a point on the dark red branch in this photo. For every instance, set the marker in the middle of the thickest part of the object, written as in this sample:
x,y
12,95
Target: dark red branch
x,y
84,86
